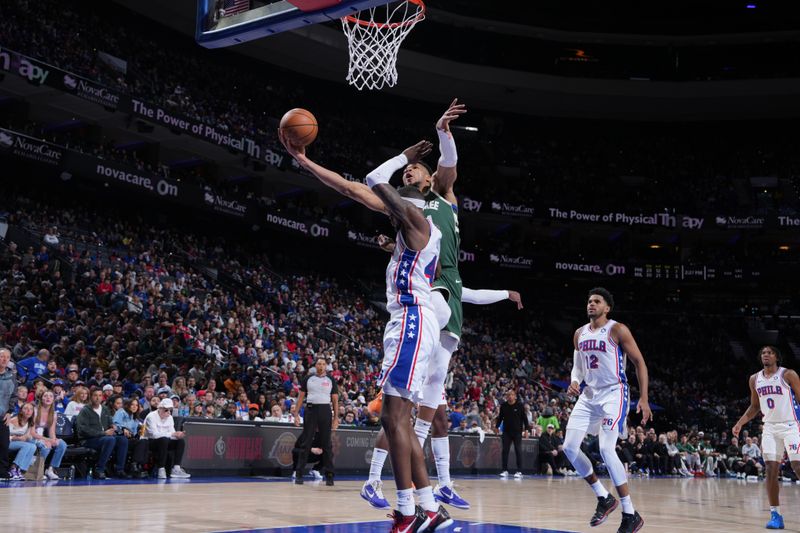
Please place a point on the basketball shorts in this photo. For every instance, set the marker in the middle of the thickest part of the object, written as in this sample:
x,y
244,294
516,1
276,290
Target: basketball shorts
x,y
780,436
449,279
409,340
605,409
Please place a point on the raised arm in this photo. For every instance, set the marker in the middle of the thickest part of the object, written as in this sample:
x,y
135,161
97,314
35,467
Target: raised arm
x,y
752,410
356,191
414,227
628,345
446,174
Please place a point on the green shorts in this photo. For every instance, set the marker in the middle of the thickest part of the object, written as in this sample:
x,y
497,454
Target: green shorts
x,y
450,280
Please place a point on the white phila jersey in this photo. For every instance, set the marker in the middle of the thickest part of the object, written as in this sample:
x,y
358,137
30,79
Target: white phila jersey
x,y
604,361
409,274
778,403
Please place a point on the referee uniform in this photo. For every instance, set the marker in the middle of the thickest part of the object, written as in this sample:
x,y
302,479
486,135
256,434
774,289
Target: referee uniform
x,y
323,401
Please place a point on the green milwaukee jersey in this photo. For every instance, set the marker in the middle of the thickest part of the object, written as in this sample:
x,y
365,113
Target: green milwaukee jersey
x,y
445,217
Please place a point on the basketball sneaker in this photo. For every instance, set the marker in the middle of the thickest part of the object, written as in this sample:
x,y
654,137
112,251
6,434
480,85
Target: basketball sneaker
x,y
440,520
518,475
409,523
631,523
316,475
446,494
775,521
605,506
372,491
504,474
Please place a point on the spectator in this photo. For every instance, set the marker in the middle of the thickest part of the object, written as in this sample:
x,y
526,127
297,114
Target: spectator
x,y
20,428
253,413
44,434
689,455
96,430
753,462
20,400
734,458
78,402
128,425
32,367
159,429
6,391
549,453
546,418
51,237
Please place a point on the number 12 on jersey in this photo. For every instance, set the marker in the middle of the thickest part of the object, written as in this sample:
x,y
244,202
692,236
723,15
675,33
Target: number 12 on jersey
x,y
592,361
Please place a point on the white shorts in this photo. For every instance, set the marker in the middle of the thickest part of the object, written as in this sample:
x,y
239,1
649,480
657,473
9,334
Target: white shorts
x,y
606,409
433,391
409,340
780,436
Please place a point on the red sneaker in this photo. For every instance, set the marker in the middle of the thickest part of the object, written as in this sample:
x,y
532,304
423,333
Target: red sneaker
x,y
409,523
440,520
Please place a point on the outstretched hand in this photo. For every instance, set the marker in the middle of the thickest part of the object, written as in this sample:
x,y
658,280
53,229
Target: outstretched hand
x,y
453,112
297,152
644,409
415,153
515,297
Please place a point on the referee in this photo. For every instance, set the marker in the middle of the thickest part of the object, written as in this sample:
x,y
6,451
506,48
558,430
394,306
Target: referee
x,y
322,392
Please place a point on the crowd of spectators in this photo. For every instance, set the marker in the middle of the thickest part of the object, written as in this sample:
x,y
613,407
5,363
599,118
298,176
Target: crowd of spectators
x,y
535,160
145,314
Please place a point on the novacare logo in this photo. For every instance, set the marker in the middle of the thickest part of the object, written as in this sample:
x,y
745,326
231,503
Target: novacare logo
x,y
162,188
315,230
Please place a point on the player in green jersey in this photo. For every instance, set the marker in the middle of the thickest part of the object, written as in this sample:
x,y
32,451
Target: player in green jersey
x,y
442,206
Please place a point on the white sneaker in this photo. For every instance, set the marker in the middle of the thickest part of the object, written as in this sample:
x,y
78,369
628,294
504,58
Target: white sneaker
x,y
504,473
179,473
162,473
316,475
51,474
294,475
518,475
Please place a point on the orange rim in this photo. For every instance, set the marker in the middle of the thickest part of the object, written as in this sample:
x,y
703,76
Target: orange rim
x,y
391,25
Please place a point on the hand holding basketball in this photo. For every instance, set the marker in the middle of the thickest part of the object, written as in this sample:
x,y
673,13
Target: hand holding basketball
x,y
453,112
415,153
299,127
297,152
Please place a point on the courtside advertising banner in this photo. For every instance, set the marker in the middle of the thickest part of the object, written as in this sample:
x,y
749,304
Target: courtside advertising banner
x,y
257,447
26,147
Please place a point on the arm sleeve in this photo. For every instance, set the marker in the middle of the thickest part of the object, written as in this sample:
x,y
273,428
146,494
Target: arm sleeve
x,y
304,385
482,296
383,173
334,386
578,371
447,149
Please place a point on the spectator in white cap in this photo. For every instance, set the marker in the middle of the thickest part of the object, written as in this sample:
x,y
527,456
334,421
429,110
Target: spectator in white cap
x,y
108,390
159,428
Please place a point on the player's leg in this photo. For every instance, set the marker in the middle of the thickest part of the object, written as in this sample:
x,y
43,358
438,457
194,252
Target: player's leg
x,y
433,414
581,420
615,405
372,490
771,446
518,454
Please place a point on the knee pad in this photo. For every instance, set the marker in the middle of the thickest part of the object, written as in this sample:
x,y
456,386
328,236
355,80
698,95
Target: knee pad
x,y
440,308
433,389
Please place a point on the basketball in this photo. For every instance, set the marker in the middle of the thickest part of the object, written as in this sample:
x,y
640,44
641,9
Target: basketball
x,y
299,126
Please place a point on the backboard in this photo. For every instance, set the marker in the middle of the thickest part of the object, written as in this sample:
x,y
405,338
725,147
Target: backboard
x,y
223,23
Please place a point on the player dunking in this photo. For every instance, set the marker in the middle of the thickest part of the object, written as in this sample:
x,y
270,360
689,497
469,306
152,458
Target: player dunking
x,y
441,205
775,392
601,349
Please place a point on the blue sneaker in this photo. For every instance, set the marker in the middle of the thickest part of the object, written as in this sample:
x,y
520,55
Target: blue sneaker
x,y
372,491
445,494
775,521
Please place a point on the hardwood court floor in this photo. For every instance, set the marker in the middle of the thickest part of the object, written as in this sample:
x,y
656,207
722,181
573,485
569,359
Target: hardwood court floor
x,y
269,505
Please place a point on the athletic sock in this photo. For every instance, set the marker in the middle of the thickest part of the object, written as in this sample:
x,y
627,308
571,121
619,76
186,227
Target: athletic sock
x,y
627,505
405,501
599,489
776,509
425,498
441,454
376,466
421,428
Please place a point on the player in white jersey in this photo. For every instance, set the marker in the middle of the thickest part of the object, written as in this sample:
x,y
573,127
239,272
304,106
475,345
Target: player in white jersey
x,y
601,350
775,392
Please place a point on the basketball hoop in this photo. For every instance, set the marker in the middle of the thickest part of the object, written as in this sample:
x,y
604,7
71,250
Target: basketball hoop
x,y
374,37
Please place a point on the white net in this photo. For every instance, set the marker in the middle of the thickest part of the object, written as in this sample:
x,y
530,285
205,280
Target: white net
x,y
374,37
